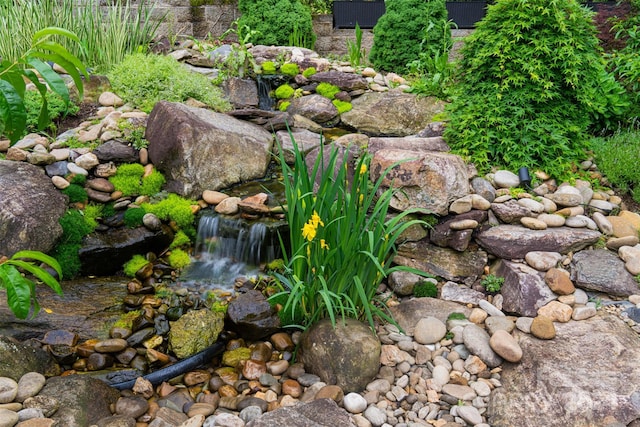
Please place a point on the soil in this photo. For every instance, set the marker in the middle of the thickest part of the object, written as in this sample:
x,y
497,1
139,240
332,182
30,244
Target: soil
x,y
86,112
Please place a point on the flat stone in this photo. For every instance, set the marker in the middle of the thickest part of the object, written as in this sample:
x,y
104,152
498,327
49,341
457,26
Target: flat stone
x,y
552,220
583,312
533,223
506,179
460,392
543,261
429,330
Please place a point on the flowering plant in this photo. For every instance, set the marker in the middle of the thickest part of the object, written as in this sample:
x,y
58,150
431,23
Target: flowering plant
x,y
342,242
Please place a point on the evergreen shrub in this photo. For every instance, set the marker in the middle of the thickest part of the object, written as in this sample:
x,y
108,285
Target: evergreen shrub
x,y
532,81
408,28
276,20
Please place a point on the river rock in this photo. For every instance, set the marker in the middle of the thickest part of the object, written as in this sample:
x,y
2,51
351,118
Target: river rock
x,y
31,224
392,113
251,316
317,413
601,270
29,385
543,261
576,374
510,211
347,355
429,330
429,181
195,331
183,140
477,340
524,290
514,242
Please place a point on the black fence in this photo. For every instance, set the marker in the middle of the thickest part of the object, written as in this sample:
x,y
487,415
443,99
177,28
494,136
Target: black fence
x,y
464,14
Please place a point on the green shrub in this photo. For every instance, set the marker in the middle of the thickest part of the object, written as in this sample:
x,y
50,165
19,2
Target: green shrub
x,y
142,80
290,69
179,259
128,178
152,183
617,158
308,72
284,91
275,21
408,28
133,217
132,266
532,81
492,283
327,90
76,193
268,67
342,106
425,289
55,106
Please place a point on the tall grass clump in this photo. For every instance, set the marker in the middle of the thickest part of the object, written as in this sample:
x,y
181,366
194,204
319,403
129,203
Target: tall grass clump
x,y
106,38
341,241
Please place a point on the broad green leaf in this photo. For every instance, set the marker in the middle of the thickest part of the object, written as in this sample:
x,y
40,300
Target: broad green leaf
x,y
42,257
15,79
18,290
52,31
52,78
39,273
12,111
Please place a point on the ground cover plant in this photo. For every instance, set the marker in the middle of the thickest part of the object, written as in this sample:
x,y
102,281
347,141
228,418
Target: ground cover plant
x,y
407,29
341,241
617,158
532,83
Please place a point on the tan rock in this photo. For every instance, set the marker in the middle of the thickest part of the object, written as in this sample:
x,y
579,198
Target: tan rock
x,y
477,315
559,281
552,220
542,327
213,197
503,343
556,311
228,206
615,243
622,227
332,392
533,223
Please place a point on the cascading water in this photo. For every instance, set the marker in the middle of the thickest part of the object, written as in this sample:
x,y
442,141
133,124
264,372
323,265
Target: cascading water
x,y
267,83
227,248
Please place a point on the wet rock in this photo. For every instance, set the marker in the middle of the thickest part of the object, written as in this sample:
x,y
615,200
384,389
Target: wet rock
x,y
251,316
182,140
195,331
347,355
18,359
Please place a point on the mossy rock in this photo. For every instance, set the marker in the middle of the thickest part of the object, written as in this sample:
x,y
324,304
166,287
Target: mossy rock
x,y
194,332
234,357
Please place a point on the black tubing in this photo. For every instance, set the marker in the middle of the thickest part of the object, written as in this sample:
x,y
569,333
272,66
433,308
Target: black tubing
x,y
177,368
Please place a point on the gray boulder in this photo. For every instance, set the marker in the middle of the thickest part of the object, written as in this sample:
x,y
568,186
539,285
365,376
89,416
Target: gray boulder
x,y
589,372
198,149
601,270
18,358
317,413
524,289
514,242
30,207
426,180
315,107
392,113
347,355
409,312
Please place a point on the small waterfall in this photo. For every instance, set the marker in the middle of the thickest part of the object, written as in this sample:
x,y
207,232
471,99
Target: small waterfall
x,y
267,83
227,248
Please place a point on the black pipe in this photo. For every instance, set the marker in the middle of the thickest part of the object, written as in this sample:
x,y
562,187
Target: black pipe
x,y
178,368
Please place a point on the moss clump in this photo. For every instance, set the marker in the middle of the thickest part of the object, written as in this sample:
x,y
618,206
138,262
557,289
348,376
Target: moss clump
x,y
180,240
132,266
74,227
76,193
177,209
456,316
126,320
425,289
284,105
91,214
78,179
284,91
277,265
152,183
342,106
128,178
309,72
133,217
268,67
290,69
179,259
327,90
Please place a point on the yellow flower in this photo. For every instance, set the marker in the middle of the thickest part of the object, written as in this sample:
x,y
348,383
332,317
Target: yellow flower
x,y
309,231
363,169
323,244
315,220
361,198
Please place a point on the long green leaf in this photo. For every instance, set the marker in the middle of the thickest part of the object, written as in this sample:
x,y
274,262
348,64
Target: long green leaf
x,y
18,290
55,82
42,257
69,68
38,272
13,75
52,31
12,111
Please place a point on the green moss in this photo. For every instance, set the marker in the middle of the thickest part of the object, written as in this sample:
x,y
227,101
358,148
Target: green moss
x,y
309,72
152,183
55,106
290,69
180,240
342,106
78,179
425,289
91,214
108,210
128,179
327,90
284,105
76,193
74,227
133,217
67,256
284,91
126,320
268,67
132,266
175,208
456,316
276,265
179,259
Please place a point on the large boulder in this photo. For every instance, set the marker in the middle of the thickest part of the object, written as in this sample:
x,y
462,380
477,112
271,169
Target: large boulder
x,y
601,270
514,242
587,373
392,113
104,253
198,149
347,355
30,207
409,312
317,413
18,358
425,180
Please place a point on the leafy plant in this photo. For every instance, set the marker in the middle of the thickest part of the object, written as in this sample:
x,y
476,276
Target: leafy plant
x,y
91,213
133,134
408,28
425,289
331,270
21,290
142,80
240,61
355,51
56,109
13,73
532,82
152,183
276,21
492,283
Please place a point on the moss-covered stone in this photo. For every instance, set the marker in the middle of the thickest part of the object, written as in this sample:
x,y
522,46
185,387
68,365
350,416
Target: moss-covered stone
x,y
234,357
194,332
